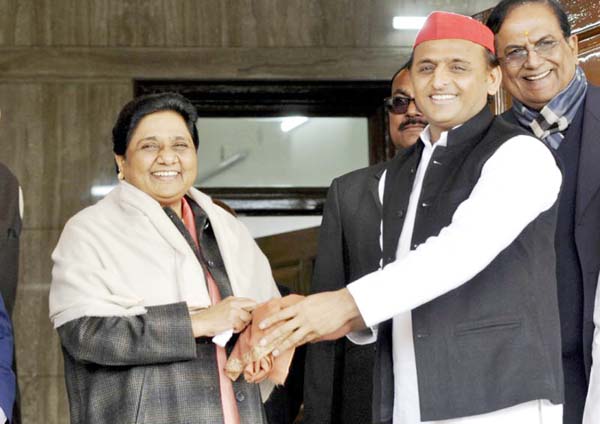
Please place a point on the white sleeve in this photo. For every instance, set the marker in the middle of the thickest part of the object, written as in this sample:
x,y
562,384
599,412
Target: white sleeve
x,y
519,181
364,337
591,414
2,416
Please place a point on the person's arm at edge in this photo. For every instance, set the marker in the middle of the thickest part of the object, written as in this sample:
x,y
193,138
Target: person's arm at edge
x,y
591,413
7,377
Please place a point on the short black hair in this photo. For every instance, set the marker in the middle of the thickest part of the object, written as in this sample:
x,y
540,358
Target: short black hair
x,y
133,112
502,9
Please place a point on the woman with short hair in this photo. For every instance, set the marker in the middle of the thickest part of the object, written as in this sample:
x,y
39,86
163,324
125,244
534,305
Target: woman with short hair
x,y
144,279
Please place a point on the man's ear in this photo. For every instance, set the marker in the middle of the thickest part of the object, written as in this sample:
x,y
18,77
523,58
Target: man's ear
x,y
494,80
573,45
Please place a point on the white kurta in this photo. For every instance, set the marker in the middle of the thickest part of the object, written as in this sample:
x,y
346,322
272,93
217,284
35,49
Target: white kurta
x,y
519,181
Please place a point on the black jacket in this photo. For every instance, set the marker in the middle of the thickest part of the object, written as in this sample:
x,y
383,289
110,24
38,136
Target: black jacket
x,y
338,375
494,342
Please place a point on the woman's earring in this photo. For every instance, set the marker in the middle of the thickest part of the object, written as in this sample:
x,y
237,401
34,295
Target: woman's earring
x,y
120,175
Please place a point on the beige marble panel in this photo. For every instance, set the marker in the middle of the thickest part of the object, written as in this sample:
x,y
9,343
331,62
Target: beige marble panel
x,y
120,64
38,349
35,265
44,400
59,144
213,23
193,23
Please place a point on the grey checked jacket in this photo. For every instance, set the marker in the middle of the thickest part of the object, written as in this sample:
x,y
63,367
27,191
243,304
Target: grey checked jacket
x,y
149,368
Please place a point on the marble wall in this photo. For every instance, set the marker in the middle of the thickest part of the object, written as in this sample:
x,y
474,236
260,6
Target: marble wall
x,y
67,66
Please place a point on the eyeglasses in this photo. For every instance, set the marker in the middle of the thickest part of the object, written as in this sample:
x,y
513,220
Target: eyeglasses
x,y
516,57
398,105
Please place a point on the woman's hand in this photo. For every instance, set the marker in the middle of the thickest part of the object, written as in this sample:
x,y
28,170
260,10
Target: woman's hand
x,y
230,313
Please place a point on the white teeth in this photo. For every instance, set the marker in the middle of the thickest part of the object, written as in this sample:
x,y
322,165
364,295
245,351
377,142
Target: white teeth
x,y
537,77
443,96
165,173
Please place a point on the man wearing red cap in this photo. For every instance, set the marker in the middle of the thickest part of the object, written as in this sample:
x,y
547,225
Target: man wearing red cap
x,y
464,308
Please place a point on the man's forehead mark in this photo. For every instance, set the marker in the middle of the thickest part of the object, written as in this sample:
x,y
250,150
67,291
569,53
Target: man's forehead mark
x,y
515,45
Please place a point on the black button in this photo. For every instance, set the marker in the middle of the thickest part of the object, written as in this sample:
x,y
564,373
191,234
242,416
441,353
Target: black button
x,y
414,246
412,170
435,162
211,263
240,396
400,213
390,259
425,204
422,335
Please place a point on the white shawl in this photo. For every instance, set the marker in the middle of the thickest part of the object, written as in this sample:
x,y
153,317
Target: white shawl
x,y
124,253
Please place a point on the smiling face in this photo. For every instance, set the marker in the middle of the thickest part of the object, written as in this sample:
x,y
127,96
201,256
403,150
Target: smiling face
x,y
160,158
405,128
452,80
541,76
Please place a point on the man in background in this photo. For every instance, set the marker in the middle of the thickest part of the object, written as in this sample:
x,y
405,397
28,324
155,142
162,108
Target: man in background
x,y
338,376
553,100
11,209
405,119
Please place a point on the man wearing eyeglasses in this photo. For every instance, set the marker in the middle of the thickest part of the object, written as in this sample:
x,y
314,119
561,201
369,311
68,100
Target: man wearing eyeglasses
x,y
405,120
553,100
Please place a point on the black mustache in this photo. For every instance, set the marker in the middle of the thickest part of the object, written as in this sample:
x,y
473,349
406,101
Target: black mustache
x,y
412,121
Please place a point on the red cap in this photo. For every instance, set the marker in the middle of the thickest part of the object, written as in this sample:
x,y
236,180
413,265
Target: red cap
x,y
445,25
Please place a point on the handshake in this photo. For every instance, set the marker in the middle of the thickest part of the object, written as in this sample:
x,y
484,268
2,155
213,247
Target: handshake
x,y
266,347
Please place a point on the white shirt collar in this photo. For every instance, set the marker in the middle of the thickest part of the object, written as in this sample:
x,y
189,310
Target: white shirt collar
x,y
443,141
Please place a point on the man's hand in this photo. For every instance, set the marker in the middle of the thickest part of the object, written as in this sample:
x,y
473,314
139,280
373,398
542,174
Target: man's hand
x,y
313,318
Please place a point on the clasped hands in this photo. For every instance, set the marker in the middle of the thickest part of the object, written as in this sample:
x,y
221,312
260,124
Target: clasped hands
x,y
322,316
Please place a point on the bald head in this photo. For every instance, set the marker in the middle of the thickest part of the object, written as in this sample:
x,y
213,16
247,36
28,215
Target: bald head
x,y
406,127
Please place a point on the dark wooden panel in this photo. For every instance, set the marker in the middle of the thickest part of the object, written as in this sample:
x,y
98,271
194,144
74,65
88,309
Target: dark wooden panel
x,y
277,247
584,15
271,201
292,256
589,57
276,97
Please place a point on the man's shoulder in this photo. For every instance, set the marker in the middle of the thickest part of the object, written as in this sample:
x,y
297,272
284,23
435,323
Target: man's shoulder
x,y
6,176
508,116
362,174
593,99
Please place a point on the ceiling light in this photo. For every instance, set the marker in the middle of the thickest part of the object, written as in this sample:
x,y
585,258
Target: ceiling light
x,y
291,122
408,22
